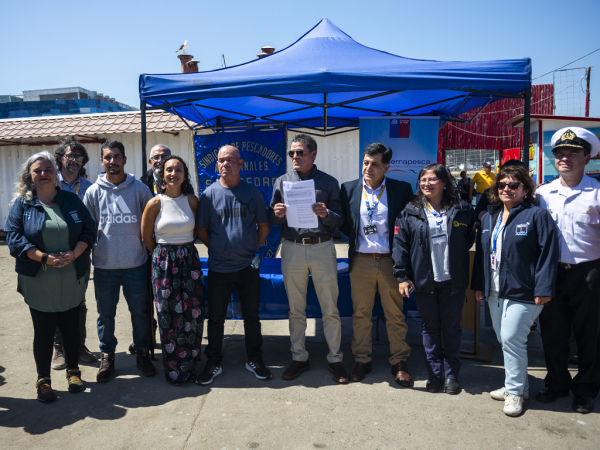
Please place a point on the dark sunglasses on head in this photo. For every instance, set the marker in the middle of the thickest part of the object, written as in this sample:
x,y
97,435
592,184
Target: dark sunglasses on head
x,y
512,186
299,153
72,157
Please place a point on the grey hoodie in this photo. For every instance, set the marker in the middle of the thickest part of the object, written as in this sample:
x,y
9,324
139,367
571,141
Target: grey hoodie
x,y
117,211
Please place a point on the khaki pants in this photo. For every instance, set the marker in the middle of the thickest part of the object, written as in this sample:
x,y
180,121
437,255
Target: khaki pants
x,y
297,261
367,276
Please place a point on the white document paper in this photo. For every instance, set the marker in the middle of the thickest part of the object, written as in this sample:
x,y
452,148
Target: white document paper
x,y
299,197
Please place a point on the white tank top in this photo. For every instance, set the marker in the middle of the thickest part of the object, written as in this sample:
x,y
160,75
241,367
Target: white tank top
x,y
175,222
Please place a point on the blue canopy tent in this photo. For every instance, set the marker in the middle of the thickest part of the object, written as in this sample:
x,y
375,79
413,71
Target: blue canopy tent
x,y
325,81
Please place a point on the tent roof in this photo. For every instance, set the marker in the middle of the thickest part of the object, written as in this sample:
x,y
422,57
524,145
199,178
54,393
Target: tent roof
x,y
326,79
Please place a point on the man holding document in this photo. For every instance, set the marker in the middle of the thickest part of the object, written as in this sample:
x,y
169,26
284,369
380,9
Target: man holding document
x,y
307,203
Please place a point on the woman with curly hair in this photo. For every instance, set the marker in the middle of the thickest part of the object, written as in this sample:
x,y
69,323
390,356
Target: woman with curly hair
x,y
431,256
168,232
50,233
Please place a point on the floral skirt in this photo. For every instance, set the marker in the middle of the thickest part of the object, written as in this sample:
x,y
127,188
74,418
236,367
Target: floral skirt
x,y
177,287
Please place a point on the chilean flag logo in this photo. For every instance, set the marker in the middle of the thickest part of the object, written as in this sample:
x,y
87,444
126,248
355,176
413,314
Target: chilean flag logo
x,y
399,128
396,230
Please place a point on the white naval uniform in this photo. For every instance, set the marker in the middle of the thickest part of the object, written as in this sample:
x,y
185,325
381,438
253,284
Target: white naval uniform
x,y
576,212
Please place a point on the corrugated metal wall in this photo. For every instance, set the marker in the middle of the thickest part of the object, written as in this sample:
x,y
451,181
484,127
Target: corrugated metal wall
x,y
11,158
488,130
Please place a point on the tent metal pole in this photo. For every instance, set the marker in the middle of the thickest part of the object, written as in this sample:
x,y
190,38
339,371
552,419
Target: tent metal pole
x,y
526,129
143,121
325,114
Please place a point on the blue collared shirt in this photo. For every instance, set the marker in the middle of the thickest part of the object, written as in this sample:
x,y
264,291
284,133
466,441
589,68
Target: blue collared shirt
x,y
79,187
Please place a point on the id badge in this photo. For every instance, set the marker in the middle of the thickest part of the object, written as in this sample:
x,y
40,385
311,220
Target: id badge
x,y
369,230
439,239
493,260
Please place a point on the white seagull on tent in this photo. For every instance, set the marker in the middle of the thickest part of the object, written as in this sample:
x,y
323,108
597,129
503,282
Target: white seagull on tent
x,y
182,48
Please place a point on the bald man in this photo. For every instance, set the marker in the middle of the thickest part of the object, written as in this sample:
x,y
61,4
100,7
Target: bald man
x,y
228,215
157,155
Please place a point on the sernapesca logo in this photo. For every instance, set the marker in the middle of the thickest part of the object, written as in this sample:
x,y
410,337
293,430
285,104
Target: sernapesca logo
x,y
117,212
410,162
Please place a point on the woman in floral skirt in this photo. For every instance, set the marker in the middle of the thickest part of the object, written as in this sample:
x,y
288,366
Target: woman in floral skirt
x,y
168,232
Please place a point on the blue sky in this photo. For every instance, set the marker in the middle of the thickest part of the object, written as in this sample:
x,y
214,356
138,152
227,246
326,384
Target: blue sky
x,y
105,45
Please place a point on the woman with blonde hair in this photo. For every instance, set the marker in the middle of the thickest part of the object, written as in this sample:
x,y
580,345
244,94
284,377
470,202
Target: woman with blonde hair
x,y
49,233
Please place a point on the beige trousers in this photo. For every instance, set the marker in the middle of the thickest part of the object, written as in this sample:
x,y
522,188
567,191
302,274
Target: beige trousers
x,y
297,261
367,276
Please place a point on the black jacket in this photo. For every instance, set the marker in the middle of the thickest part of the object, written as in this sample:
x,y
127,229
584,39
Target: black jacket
x,y
399,193
412,255
530,253
24,230
148,180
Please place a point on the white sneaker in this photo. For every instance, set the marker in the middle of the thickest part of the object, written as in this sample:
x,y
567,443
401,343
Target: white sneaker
x,y
500,394
513,405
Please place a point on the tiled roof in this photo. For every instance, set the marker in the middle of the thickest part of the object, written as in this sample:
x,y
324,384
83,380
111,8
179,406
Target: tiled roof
x,y
89,124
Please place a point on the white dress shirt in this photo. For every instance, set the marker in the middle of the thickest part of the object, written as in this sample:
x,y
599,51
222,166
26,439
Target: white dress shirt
x,y
576,212
380,241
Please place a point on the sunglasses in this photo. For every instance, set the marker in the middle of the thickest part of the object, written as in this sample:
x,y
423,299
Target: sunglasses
x,y
512,186
298,153
72,157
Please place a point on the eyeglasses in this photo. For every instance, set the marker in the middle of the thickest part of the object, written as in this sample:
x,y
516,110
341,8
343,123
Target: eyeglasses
x,y
158,157
224,160
298,153
425,181
512,186
74,157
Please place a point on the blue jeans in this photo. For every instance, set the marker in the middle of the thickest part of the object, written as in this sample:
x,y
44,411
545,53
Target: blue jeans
x,y
512,322
106,287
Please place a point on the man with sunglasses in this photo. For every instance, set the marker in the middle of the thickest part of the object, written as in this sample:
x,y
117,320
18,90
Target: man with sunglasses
x,y
310,250
573,201
71,157
157,155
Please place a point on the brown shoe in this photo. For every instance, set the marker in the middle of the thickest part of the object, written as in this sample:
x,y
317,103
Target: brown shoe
x,y
400,372
339,373
359,370
107,367
295,369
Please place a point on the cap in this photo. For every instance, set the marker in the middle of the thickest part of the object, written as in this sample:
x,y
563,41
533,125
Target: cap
x,y
487,164
576,137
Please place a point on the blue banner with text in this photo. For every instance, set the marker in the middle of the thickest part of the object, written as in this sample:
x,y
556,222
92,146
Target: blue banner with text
x,y
263,153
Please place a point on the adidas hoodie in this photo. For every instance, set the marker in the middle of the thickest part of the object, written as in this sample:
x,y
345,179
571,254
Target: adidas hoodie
x,y
117,211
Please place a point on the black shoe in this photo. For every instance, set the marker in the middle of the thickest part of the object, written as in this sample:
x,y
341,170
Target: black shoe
x,y
132,350
259,370
208,374
86,356
295,369
583,405
107,367
451,386
339,373
434,384
359,370
142,361
549,395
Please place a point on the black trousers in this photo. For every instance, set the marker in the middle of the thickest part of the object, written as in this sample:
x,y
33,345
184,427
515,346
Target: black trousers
x,y
44,326
576,307
82,331
220,288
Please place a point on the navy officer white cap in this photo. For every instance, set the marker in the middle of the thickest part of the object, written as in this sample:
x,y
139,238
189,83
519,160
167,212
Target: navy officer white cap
x,y
576,137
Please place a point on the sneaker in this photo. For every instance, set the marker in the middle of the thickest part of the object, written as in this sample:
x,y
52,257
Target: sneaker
x,y
58,361
142,361
259,370
500,394
86,356
44,390
107,367
513,405
208,374
74,380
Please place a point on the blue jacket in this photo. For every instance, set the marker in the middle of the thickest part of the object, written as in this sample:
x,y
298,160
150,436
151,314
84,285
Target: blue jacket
x,y
24,230
530,252
399,193
412,255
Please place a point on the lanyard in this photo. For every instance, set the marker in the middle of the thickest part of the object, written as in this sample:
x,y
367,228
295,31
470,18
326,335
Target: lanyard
x,y
497,232
375,203
439,217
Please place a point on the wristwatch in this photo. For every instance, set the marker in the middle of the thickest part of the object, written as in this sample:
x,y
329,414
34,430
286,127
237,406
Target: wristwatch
x,y
44,258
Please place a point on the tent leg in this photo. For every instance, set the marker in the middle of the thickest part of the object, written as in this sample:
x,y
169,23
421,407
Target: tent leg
x,y
526,131
144,162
